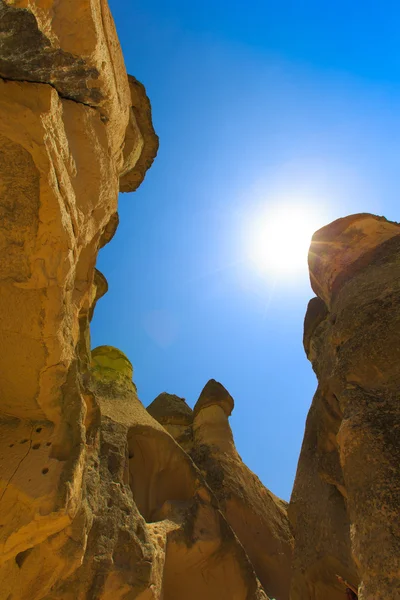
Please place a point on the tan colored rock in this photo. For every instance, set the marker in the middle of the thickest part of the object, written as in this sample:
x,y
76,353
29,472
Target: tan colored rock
x,y
175,416
318,511
343,247
45,286
141,141
74,48
97,499
110,230
154,519
118,559
347,486
214,394
257,517
99,289
169,409
65,107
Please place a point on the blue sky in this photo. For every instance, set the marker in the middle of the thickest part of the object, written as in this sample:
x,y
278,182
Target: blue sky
x,y
256,104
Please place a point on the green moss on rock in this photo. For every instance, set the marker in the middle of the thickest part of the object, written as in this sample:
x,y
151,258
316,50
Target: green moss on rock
x,y
110,364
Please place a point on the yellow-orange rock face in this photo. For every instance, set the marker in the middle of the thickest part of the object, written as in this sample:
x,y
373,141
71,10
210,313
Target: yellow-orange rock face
x,y
101,499
97,500
257,517
175,416
345,502
65,118
157,531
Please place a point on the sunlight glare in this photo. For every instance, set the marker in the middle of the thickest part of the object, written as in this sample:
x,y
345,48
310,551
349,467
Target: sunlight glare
x,y
279,237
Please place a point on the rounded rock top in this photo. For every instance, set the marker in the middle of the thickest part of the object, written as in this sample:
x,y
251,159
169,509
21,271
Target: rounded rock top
x,y
169,408
111,363
344,247
212,394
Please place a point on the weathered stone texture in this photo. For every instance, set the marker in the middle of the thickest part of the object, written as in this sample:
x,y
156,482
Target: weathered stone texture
x,y
65,111
98,501
141,142
345,502
175,416
256,516
101,499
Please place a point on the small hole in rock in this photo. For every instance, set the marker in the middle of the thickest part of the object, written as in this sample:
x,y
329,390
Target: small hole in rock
x,y
131,455
23,441
11,445
22,556
39,429
45,471
48,444
35,446
110,502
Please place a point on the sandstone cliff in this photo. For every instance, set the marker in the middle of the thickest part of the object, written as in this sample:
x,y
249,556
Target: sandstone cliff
x,y
345,503
101,499
98,500
71,127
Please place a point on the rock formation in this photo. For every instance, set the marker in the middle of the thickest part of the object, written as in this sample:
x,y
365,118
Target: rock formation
x,y
101,499
71,127
175,416
345,502
154,518
98,500
257,517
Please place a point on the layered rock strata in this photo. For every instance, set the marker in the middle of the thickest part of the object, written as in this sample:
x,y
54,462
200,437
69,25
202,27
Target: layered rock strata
x,y
345,502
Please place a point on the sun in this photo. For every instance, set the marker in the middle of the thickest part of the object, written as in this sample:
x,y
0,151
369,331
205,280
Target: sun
x,y
278,239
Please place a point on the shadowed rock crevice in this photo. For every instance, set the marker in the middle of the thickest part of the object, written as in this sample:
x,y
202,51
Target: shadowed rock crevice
x,y
159,475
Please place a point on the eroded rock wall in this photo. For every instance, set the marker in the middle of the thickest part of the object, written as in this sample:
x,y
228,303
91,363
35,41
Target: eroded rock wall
x,y
68,133
156,531
101,499
257,517
345,502
98,501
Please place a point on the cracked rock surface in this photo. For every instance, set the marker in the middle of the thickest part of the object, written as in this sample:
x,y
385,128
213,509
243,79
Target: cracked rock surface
x,y
97,498
101,499
345,502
